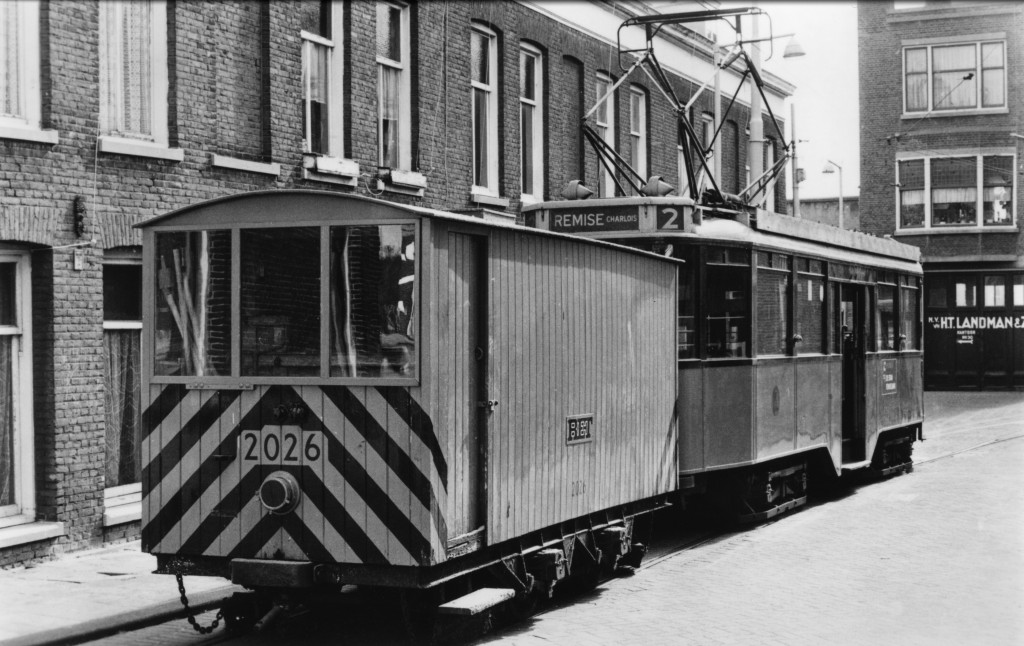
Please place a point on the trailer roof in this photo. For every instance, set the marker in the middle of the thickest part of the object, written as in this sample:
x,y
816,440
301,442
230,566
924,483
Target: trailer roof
x,y
262,207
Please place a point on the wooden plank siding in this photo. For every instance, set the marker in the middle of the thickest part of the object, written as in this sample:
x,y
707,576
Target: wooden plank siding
x,y
555,306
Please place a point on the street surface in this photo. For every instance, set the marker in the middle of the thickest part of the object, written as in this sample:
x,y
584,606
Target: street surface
x,y
931,557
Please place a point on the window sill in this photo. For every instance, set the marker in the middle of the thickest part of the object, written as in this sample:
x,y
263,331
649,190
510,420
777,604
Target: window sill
x,y
490,200
904,233
405,182
262,168
137,148
29,532
120,514
968,112
28,133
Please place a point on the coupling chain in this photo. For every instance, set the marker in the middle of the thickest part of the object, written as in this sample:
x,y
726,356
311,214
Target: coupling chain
x,y
191,616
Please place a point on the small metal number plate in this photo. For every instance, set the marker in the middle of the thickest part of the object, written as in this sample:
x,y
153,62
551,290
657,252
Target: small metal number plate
x,y
579,429
283,446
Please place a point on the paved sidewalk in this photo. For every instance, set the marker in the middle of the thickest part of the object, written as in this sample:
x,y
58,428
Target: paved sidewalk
x,y
86,595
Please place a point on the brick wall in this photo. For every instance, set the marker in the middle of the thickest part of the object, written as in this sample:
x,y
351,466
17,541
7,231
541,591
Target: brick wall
x,y
234,75
884,134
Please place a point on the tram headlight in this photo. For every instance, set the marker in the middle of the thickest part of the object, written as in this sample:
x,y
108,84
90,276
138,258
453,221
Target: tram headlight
x,y
280,492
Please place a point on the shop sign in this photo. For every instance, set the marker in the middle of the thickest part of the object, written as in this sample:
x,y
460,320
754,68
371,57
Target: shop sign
x,y
966,327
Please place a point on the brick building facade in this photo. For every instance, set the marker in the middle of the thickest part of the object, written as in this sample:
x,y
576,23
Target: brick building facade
x,y
942,137
113,113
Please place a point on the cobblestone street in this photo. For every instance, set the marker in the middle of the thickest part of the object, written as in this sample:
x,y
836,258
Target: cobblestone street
x,y
933,557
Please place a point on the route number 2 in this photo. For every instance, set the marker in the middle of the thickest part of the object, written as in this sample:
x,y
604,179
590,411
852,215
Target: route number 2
x,y
282,446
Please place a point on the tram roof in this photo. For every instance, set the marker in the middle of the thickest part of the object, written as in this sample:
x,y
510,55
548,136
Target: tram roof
x,y
263,207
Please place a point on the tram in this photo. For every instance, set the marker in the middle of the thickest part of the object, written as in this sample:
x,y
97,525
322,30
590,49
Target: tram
x,y
341,390
799,344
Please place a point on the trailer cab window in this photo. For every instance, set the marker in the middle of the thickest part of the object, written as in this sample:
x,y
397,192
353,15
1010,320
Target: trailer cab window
x,y
773,277
372,301
280,301
193,304
885,318
728,319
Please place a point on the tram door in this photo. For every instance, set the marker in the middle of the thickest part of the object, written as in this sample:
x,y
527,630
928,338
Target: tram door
x,y
467,316
851,336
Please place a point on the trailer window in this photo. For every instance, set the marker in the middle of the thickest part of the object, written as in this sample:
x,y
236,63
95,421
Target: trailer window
x,y
373,301
280,302
885,321
687,329
773,276
192,335
728,321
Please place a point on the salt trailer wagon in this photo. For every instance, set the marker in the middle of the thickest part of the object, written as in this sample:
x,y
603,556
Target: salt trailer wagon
x,y
340,390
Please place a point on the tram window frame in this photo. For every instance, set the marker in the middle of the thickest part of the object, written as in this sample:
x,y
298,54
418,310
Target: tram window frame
x,y
688,305
810,270
890,344
734,343
909,334
233,376
772,265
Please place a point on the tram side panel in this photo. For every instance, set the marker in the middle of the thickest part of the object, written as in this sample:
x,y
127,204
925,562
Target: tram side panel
x,y
581,365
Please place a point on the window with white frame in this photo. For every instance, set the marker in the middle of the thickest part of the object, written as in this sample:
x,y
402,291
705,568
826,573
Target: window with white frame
x,y
20,96
683,181
394,113
955,76
133,70
638,130
122,380
708,131
484,80
604,121
956,191
322,81
531,120
17,474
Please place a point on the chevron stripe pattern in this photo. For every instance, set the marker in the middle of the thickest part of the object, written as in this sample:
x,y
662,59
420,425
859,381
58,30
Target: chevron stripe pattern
x,y
370,469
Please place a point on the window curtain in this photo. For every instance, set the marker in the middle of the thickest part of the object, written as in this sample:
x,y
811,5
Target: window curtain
x,y
10,61
950,66
389,86
6,421
121,405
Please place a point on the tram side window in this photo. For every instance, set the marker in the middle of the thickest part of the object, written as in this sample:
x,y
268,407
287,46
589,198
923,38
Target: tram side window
x,y
192,335
885,318
372,300
728,322
910,304
280,301
687,329
810,309
773,276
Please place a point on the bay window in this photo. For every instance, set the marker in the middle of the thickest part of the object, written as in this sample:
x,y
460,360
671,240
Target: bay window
x,y
950,191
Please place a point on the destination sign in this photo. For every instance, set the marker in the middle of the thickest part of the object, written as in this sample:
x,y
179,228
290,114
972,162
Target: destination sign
x,y
889,385
595,217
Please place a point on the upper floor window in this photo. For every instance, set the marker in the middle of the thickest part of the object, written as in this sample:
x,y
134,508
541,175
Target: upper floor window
x,y
960,76
531,120
133,69
322,70
638,130
605,122
960,191
484,79
394,111
19,68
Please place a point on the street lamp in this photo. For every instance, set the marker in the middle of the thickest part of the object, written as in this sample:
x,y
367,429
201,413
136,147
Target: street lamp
x,y
828,171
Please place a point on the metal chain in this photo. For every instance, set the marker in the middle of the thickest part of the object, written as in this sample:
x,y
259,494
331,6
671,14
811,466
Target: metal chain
x,y
191,616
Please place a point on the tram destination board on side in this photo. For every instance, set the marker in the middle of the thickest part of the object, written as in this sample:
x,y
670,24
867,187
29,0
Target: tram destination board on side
x,y
593,216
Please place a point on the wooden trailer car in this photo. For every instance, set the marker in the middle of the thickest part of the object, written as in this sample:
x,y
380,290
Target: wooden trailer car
x,y
799,344
343,390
